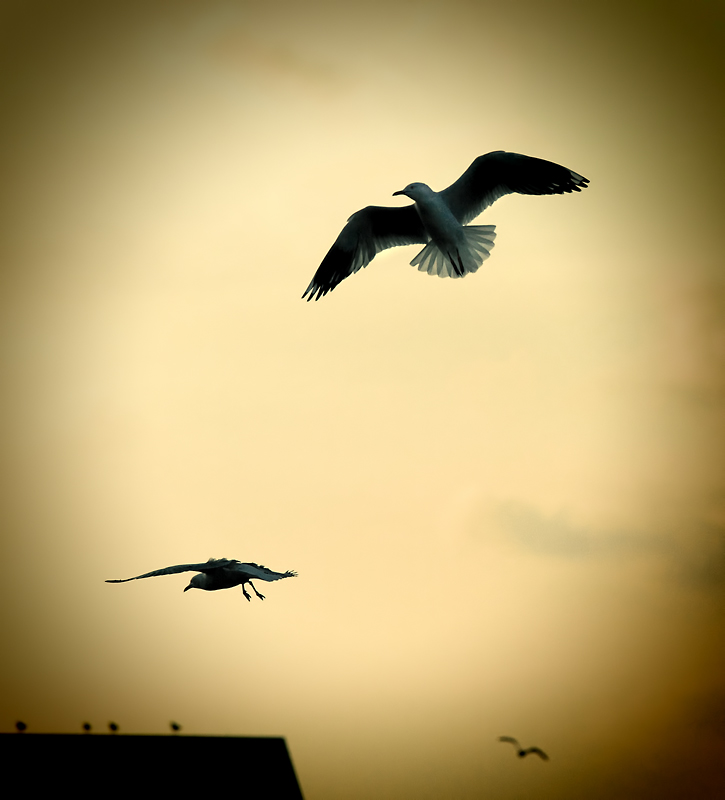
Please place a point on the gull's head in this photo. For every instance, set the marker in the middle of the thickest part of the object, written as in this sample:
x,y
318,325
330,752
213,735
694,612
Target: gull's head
x,y
415,191
194,583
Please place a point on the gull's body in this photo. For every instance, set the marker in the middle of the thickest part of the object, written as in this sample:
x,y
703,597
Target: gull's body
x,y
219,573
439,220
520,751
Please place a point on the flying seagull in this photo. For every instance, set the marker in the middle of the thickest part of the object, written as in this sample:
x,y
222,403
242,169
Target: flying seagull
x,y
219,573
439,220
521,752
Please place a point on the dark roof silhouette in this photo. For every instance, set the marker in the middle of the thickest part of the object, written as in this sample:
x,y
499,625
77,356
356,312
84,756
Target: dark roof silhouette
x,y
219,573
439,220
148,765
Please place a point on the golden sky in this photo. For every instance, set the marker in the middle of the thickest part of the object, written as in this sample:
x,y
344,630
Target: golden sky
x,y
504,495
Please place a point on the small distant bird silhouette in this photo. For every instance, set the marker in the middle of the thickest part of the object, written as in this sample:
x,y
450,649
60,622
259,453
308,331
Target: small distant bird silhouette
x,y
113,727
175,727
520,751
87,727
20,726
219,573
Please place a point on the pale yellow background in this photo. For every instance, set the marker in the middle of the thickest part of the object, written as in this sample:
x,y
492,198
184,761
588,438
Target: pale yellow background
x,y
504,495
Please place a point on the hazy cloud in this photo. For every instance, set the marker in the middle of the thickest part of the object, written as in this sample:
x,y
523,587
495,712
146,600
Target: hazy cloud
x,y
557,536
694,554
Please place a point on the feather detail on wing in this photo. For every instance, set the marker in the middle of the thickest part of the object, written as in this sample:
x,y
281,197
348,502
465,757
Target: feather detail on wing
x,y
259,572
367,232
499,173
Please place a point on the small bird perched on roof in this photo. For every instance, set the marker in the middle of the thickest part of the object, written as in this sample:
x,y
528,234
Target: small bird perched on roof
x,y
439,220
219,573
520,751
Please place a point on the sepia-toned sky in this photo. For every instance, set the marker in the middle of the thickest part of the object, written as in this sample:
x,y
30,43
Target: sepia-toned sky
x,y
504,495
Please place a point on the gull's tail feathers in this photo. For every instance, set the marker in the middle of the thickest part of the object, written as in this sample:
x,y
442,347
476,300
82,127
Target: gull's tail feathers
x,y
477,248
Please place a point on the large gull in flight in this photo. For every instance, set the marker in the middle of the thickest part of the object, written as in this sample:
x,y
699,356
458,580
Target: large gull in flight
x,y
439,219
219,573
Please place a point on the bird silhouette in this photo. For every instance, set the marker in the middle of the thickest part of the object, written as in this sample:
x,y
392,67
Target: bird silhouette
x,y
175,727
439,220
113,727
20,726
520,751
87,727
219,573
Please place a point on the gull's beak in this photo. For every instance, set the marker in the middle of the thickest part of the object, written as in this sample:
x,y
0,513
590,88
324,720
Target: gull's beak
x,y
402,191
186,588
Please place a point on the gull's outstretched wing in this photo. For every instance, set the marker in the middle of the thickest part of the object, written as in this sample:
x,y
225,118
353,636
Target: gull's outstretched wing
x,y
537,751
509,739
367,232
499,173
212,563
262,573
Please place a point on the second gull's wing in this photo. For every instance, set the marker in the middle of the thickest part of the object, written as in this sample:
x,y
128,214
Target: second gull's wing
x,y
262,573
212,563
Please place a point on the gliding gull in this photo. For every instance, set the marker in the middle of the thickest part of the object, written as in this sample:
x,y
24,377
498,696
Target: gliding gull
x,y
439,219
219,573
520,751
